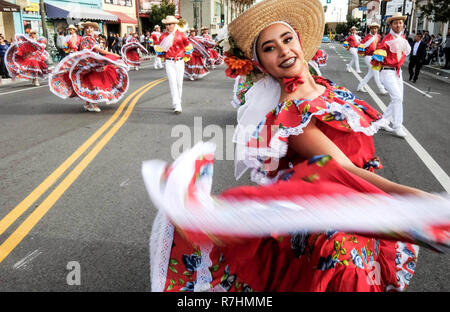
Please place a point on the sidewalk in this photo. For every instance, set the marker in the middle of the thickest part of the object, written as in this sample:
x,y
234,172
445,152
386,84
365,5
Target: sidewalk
x,y
434,71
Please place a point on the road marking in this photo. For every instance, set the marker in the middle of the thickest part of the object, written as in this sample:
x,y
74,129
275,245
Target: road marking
x,y
26,89
27,260
418,90
426,158
25,204
19,234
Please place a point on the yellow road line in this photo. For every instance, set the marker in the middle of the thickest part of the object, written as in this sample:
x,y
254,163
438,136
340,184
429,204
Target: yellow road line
x,y
25,204
19,234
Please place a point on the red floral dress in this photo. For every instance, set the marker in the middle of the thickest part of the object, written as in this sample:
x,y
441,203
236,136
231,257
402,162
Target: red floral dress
x,y
302,261
25,58
197,66
130,52
90,76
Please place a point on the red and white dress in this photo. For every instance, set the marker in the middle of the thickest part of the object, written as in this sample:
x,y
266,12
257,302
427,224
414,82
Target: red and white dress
x,y
90,76
214,57
130,53
186,260
25,58
319,60
197,68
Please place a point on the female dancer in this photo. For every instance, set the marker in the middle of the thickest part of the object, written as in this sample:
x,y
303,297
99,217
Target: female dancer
x,y
319,60
130,53
196,67
214,57
289,117
92,74
25,58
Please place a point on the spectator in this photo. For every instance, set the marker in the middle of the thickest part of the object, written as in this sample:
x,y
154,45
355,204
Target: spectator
x,y
3,48
426,37
447,51
60,40
110,41
417,57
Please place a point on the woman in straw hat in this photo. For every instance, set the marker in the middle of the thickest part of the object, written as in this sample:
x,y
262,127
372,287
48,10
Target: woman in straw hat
x,y
370,44
92,74
215,58
196,68
175,49
26,58
130,51
396,48
289,117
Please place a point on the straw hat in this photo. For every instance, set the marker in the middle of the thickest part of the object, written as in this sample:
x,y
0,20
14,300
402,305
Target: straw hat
x,y
395,16
205,28
170,19
305,16
156,26
374,24
93,24
72,26
353,27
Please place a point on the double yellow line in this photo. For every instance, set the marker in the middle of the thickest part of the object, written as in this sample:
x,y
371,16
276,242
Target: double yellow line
x,y
19,234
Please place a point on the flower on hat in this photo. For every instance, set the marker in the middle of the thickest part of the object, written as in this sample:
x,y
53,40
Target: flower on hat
x,y
237,67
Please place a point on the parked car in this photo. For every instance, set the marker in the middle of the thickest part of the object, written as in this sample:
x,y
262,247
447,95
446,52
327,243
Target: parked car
x,y
325,39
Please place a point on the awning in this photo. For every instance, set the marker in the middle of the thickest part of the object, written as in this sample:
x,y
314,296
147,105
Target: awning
x,y
8,7
78,12
123,18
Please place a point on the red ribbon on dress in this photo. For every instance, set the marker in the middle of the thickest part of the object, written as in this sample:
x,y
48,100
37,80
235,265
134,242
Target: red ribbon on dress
x,y
291,83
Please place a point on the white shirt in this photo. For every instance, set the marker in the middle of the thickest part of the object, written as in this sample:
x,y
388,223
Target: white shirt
x,y
416,47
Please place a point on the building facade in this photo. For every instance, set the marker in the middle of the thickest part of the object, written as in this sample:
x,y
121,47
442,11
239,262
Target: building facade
x,y
213,14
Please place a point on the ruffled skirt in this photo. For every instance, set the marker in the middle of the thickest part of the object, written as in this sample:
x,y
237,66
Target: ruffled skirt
x,y
91,77
184,260
25,60
196,67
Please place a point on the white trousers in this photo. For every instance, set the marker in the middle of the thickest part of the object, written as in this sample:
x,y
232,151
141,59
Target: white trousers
x,y
371,73
158,64
175,73
355,59
394,85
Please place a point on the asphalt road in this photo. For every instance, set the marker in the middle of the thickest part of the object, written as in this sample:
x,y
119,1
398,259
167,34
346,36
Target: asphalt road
x,y
97,212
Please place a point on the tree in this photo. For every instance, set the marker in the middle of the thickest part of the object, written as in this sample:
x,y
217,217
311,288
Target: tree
x,y
437,10
159,12
344,28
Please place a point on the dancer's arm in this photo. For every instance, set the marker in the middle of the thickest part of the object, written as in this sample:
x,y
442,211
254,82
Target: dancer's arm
x,y
314,142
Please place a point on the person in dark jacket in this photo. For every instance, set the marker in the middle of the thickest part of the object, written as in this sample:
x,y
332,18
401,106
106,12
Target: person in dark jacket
x,y
3,48
417,57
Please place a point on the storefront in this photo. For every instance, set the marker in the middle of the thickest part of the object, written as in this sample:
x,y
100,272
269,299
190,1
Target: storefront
x,y
7,11
32,18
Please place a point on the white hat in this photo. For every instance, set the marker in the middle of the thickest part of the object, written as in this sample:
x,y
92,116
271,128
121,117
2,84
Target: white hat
x,y
374,24
395,16
170,19
72,26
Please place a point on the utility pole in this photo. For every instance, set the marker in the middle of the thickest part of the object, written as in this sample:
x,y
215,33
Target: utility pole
x,y
138,9
45,31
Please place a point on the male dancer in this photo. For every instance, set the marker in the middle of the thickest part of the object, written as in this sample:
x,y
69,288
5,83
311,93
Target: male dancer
x,y
370,44
175,48
397,48
156,34
353,41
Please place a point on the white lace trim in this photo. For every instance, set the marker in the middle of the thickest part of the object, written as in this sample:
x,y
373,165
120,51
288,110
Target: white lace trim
x,y
204,277
160,247
278,148
403,276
